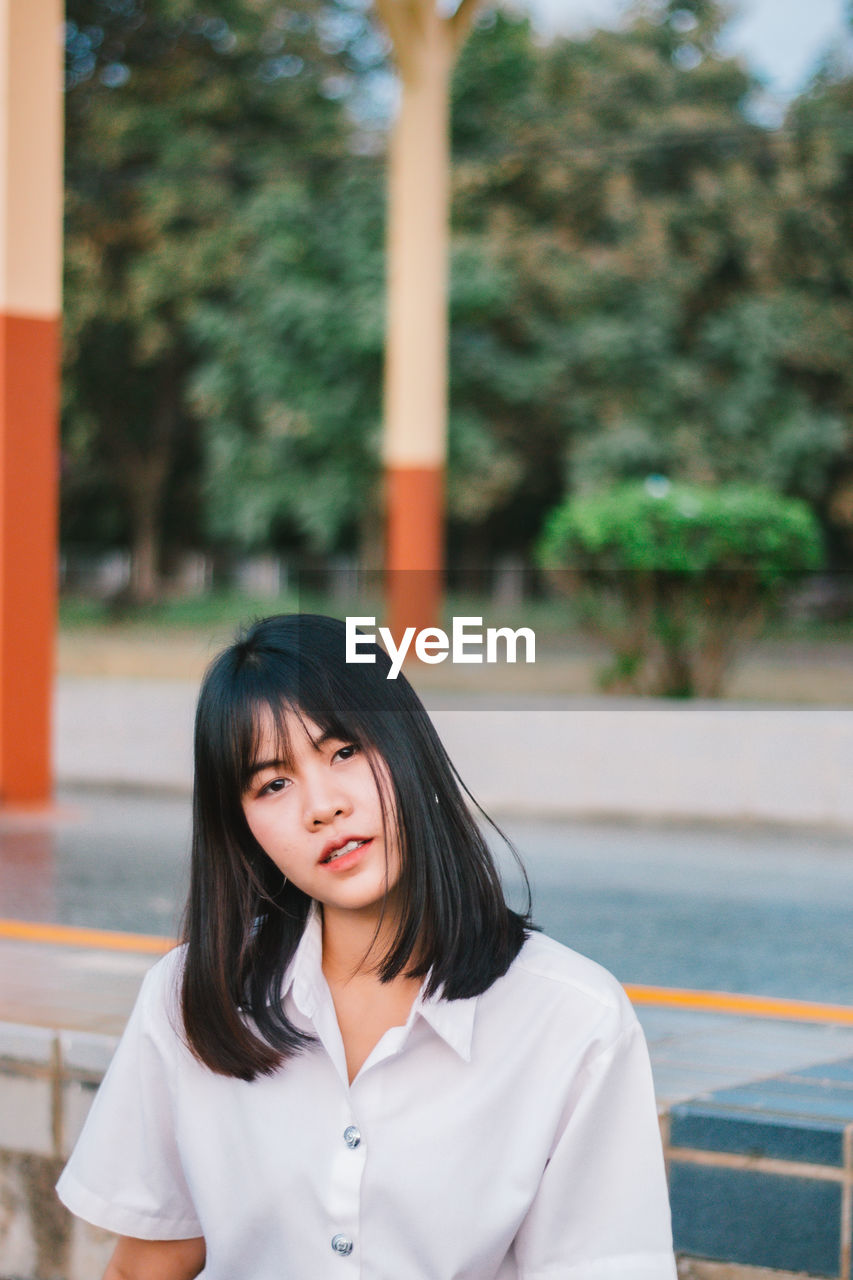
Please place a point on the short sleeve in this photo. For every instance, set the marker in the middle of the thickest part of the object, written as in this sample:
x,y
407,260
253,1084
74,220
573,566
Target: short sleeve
x,y
125,1173
601,1211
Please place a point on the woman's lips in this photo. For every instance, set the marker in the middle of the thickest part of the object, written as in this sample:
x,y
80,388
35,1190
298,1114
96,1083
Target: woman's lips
x,y
345,860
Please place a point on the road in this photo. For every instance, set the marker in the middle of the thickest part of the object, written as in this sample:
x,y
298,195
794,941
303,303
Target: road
x,y
751,908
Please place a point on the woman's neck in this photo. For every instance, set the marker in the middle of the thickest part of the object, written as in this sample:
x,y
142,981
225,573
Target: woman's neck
x,y
365,1007
355,943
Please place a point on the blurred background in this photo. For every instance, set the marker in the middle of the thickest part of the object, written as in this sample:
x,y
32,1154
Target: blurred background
x,y
651,274
650,452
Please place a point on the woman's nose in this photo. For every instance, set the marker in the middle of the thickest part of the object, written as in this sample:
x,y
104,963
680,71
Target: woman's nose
x,y
324,801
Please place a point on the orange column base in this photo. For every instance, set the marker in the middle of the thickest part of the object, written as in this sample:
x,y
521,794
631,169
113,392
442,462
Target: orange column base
x,y
415,548
29,472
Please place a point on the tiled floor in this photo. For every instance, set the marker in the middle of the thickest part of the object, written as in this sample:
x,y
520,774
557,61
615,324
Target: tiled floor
x,y
761,1173
693,1053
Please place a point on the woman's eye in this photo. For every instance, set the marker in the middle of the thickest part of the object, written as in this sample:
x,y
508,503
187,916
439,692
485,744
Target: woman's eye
x,y
272,788
347,752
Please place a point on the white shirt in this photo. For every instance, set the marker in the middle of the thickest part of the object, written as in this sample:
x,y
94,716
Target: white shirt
x,y
511,1136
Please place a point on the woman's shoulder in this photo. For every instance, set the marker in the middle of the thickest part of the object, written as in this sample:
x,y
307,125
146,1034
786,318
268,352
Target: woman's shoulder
x,y
167,970
552,980
159,1001
542,957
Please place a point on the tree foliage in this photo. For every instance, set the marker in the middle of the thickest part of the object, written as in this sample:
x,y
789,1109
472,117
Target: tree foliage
x,y
675,577
176,120
644,280
657,311
289,379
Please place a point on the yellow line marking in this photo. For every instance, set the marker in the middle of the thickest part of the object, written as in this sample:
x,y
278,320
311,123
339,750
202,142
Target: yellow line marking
x,y
64,935
750,1006
670,997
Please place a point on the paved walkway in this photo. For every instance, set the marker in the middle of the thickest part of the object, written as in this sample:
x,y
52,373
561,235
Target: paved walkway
x,y
92,990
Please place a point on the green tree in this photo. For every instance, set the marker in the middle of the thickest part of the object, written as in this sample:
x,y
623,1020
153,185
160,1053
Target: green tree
x,y
643,280
290,378
629,297
816,265
175,120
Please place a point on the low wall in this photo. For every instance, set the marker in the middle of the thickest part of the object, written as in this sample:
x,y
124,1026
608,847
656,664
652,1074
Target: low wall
x,y
554,757
47,1082
650,760
762,1173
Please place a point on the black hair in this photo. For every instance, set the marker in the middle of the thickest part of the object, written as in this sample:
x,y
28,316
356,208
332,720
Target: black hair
x,y
243,920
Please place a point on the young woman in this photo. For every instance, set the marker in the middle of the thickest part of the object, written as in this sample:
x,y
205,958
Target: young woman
x,y
362,1063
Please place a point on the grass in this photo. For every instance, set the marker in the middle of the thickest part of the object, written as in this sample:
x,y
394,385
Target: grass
x,y
794,662
227,609
551,618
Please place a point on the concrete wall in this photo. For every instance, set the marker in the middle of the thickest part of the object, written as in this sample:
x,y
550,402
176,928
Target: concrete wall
x,y
47,1082
610,757
658,760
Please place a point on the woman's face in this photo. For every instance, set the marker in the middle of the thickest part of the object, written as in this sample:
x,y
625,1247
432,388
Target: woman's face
x,y
319,817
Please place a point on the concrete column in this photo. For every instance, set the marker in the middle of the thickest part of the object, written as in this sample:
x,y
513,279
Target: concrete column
x,y
425,44
31,69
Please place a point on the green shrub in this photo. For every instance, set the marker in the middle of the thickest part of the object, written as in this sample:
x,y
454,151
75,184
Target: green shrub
x,y
676,577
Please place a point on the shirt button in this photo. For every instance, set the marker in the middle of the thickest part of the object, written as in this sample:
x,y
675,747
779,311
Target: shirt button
x,y
342,1245
352,1136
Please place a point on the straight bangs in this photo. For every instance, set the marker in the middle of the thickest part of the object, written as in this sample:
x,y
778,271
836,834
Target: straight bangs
x,y
262,731
264,696
270,700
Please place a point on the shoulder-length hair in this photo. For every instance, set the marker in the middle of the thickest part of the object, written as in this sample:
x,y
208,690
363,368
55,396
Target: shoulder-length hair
x,y
243,920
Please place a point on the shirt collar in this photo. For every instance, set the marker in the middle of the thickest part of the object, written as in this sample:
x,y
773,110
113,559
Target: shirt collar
x,y
452,1020
304,974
